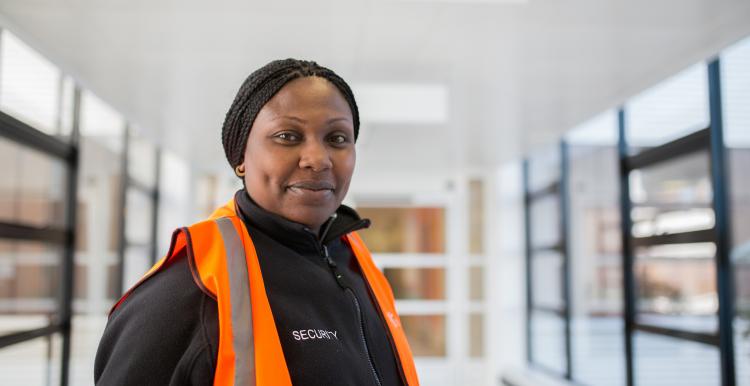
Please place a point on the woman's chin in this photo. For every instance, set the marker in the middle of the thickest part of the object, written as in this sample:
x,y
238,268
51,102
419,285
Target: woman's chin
x,y
313,216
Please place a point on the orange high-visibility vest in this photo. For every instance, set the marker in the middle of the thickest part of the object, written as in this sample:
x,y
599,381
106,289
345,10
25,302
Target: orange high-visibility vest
x,y
227,268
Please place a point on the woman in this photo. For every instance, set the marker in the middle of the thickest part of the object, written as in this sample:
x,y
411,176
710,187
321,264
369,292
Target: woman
x,y
275,288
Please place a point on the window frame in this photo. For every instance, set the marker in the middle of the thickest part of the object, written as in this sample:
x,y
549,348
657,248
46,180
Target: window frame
x,y
710,140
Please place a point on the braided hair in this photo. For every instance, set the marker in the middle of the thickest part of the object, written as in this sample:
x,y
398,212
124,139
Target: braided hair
x,y
259,88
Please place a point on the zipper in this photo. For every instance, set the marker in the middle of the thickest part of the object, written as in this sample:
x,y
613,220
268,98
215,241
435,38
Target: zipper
x,y
396,355
362,335
342,283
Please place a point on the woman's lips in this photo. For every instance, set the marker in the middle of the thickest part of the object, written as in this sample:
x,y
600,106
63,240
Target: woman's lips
x,y
312,185
312,190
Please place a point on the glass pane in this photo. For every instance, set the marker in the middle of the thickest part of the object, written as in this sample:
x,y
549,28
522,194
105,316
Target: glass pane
x,y
205,193
29,284
669,110
735,87
476,283
34,362
142,160
138,217
426,334
80,282
601,130
417,283
677,286
137,262
598,349
98,199
101,123
92,286
476,335
546,270
98,232
677,183
596,258
548,341
742,320
735,83
545,221
544,168
404,230
32,189
30,86
739,195
476,217
67,106
661,360
175,206
740,222
113,291
87,332
664,219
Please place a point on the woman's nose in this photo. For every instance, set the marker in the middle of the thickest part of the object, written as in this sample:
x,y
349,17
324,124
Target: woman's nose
x,y
314,155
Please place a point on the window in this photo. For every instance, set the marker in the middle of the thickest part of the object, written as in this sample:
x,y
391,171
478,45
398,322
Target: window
x,y
405,230
669,110
547,261
33,362
99,184
36,160
174,208
142,160
408,243
735,67
32,89
426,334
138,236
672,247
37,106
595,237
417,283
662,360
30,283
32,189
676,283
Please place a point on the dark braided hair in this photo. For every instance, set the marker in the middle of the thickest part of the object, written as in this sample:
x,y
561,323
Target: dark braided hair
x,y
259,88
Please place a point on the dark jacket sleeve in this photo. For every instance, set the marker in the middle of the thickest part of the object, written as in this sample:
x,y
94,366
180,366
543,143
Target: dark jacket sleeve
x,y
164,333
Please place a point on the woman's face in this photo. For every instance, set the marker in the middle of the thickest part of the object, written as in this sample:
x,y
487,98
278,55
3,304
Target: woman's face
x,y
300,153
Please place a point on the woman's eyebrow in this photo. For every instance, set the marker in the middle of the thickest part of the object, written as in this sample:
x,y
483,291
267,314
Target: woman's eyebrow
x,y
289,117
332,120
300,120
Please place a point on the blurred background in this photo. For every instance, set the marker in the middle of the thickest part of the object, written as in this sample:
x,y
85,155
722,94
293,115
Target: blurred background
x,y
557,187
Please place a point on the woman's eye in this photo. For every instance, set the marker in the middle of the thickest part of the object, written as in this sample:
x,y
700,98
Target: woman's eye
x,y
289,137
338,139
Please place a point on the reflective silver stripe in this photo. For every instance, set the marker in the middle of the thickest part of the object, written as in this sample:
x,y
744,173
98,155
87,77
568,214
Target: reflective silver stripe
x,y
239,296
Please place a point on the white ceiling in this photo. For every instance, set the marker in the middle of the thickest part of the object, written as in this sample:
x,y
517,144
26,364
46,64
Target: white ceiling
x,y
517,73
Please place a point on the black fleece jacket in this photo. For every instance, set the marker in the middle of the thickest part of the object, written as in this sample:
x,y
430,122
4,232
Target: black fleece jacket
x,y
166,332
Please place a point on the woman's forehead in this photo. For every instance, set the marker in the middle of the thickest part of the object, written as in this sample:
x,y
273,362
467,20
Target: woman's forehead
x,y
307,98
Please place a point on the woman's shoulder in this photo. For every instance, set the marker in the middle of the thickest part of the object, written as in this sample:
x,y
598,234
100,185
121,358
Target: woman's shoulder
x,y
166,319
169,289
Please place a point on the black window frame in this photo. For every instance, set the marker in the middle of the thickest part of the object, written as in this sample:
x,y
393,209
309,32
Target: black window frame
x,y
710,140
24,135
127,183
68,153
560,189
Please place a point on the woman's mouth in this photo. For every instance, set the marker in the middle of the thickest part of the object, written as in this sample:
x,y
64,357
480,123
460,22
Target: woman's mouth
x,y
312,190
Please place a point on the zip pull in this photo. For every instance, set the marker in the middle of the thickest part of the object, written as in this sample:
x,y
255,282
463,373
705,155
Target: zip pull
x,y
328,258
334,268
323,235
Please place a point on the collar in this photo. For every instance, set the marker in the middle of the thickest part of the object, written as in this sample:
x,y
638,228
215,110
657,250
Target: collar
x,y
293,234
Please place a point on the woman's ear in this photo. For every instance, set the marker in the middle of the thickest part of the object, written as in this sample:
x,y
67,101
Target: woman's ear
x,y
240,170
